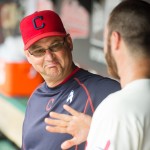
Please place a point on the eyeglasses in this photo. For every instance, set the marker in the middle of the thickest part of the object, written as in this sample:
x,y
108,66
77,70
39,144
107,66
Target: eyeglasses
x,y
53,48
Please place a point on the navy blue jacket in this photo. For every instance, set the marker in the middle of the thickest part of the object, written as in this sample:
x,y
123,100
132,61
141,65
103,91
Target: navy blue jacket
x,y
83,91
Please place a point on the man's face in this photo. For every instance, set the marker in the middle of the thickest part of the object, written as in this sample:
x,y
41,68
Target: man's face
x,y
111,63
53,66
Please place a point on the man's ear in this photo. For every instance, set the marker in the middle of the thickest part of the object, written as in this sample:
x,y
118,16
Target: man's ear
x,y
27,55
69,42
115,40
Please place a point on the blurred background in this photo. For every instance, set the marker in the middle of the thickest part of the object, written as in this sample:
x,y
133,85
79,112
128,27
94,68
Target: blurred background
x,y
83,19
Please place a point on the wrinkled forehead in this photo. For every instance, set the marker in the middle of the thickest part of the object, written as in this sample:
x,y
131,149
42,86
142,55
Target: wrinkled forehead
x,y
47,41
50,40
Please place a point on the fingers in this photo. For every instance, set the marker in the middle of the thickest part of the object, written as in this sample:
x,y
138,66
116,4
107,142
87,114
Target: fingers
x,y
72,111
68,144
54,122
56,129
64,117
58,126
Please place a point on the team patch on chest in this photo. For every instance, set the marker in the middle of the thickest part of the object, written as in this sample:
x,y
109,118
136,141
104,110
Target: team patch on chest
x,y
70,97
49,104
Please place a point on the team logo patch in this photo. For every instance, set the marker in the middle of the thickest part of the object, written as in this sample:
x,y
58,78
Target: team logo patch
x,y
70,97
49,104
34,21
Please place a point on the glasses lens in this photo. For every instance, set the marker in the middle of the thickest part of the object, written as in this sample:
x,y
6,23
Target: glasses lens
x,y
56,47
53,48
38,53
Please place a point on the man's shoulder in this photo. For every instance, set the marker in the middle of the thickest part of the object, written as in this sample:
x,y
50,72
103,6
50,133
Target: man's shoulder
x,y
39,89
98,83
97,79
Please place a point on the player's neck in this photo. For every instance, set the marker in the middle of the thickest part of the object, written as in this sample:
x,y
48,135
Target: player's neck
x,y
135,71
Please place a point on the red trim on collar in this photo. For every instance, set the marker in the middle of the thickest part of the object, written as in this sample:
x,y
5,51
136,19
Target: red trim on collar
x,y
72,73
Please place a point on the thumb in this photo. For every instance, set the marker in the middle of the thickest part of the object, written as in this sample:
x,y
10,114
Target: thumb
x,y
69,143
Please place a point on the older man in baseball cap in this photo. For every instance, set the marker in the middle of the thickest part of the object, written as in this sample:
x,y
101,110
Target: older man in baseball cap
x,y
48,48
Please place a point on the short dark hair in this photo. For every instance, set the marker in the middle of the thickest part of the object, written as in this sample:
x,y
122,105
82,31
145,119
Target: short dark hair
x,y
131,19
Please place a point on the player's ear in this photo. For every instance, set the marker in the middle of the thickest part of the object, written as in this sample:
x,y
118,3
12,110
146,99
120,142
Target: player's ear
x,y
69,42
115,40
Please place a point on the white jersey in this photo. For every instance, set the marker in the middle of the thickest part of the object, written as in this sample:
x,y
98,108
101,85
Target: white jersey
x,y
122,120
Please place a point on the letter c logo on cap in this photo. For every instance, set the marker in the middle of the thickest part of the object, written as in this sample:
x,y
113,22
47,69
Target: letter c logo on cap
x,y
35,25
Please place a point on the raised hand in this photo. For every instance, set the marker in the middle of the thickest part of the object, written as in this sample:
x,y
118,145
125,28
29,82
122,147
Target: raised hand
x,y
77,124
